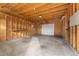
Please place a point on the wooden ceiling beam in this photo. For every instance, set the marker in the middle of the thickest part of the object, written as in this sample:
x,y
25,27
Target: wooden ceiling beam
x,y
52,12
52,15
9,12
48,18
47,10
24,11
43,8
3,4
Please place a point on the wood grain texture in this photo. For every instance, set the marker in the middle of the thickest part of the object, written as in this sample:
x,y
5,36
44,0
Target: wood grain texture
x,y
19,20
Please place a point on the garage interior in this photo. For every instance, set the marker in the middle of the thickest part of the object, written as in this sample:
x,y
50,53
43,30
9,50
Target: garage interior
x,y
39,29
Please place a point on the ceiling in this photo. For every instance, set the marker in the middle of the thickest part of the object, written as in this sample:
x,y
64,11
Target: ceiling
x,y
37,12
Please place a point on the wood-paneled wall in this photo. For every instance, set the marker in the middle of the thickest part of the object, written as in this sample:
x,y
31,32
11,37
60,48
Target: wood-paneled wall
x,y
2,27
73,31
38,28
12,27
77,38
58,27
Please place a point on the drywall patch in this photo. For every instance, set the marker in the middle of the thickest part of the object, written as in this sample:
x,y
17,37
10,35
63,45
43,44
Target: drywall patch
x,y
74,19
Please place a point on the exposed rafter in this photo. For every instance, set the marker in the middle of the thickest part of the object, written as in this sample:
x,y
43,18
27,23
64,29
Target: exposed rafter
x,y
10,12
60,7
26,10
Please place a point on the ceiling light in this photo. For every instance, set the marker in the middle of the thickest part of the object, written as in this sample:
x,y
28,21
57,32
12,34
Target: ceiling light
x,y
34,8
40,16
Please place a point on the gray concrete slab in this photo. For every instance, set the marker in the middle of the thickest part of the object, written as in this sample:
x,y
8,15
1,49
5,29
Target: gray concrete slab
x,y
36,46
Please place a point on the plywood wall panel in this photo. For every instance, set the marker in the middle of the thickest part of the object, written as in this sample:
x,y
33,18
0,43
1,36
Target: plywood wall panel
x,y
12,27
2,27
78,38
9,27
71,37
38,28
77,6
74,44
58,27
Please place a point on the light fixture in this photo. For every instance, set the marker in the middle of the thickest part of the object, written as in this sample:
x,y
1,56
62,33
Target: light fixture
x,y
34,8
40,16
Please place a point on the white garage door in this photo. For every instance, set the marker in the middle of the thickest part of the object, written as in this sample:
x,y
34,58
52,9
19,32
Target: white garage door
x,y
47,29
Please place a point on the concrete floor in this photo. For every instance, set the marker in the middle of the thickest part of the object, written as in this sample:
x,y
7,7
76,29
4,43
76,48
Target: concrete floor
x,y
36,46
